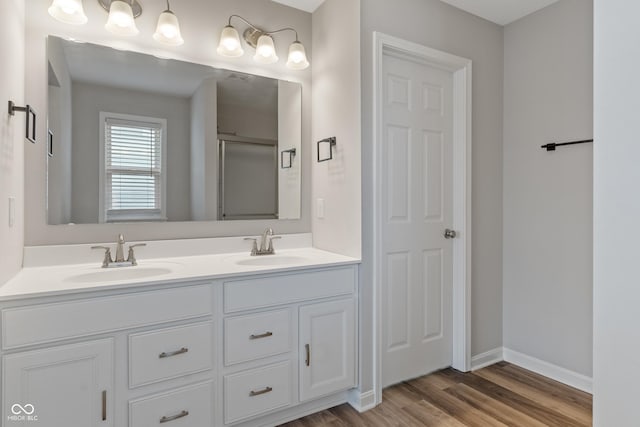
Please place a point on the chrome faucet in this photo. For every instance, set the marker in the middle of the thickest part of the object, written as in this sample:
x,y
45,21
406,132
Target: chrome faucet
x,y
120,249
108,262
266,243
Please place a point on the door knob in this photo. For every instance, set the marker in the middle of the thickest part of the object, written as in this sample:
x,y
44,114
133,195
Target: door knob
x,y
450,234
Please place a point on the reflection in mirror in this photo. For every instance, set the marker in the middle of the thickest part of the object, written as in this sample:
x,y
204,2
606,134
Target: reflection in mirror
x,y
138,138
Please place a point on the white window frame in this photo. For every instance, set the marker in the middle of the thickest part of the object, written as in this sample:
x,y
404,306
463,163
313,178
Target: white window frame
x,y
132,216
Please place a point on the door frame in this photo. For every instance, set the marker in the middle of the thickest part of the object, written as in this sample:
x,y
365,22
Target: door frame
x,y
462,120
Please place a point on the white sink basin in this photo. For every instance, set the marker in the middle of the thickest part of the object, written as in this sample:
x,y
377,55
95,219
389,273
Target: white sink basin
x,y
119,273
267,260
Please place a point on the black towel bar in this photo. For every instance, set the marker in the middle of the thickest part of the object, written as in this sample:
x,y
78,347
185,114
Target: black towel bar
x,y
552,146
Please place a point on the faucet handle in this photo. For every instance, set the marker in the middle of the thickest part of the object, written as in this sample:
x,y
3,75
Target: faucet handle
x,y
254,246
107,255
270,249
131,257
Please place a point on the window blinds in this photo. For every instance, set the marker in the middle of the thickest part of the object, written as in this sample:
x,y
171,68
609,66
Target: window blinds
x,y
133,168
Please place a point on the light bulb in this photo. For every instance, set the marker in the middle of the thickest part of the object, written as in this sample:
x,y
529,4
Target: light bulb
x,y
68,11
168,29
229,45
265,50
121,21
297,57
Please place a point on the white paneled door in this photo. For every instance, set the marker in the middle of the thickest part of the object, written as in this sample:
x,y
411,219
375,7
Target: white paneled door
x,y
417,209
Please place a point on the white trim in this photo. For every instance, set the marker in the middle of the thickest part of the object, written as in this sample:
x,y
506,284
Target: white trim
x,y
558,373
362,402
487,358
462,134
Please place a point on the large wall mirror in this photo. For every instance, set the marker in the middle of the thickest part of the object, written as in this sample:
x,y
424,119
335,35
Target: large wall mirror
x,y
133,137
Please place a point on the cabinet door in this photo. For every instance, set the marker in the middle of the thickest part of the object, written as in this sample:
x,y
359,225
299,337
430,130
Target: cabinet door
x,y
327,348
65,386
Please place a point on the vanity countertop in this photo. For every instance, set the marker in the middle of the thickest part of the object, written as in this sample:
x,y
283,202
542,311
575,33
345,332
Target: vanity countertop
x,y
77,278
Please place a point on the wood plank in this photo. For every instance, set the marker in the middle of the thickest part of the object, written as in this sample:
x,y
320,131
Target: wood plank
x,y
514,400
496,409
458,409
438,380
544,396
428,415
550,386
500,395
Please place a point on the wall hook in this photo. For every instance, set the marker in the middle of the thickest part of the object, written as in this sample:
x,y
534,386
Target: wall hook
x,y
30,124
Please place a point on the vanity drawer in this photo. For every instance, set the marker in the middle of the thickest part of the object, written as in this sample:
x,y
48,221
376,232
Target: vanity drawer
x,y
257,335
187,407
284,289
169,353
44,323
251,393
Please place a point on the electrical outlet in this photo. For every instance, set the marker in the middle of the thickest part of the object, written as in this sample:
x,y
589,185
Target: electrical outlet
x,y
320,208
12,211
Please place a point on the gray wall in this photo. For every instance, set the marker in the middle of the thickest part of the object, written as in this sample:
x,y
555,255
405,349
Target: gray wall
x,y
88,100
437,25
616,211
202,22
548,96
12,142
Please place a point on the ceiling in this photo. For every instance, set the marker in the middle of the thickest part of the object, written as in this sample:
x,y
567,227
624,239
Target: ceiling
x,y
306,5
502,12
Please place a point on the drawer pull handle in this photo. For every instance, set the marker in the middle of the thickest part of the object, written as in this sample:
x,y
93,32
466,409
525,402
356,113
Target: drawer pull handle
x,y
307,360
254,393
257,337
166,419
164,355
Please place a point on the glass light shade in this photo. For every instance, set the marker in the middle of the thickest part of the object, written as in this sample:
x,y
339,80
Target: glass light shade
x,y
68,11
297,57
229,45
121,21
168,29
265,50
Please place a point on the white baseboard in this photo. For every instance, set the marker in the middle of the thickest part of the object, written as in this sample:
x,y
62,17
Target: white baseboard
x,y
487,358
565,376
362,402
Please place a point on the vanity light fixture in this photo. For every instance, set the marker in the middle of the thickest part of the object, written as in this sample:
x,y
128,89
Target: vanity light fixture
x,y
68,11
121,19
168,29
231,47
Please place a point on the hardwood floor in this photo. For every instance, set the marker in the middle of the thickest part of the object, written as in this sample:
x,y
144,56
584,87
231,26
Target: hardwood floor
x,y
497,396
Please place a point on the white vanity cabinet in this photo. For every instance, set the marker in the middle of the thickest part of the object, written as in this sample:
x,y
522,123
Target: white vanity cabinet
x,y
69,385
81,360
328,345
248,350
289,339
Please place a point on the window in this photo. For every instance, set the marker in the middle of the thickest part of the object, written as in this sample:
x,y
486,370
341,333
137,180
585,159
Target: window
x,y
133,170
